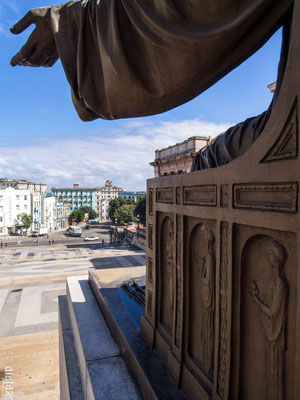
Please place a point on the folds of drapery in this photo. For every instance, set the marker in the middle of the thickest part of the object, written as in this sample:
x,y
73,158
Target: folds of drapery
x,y
130,58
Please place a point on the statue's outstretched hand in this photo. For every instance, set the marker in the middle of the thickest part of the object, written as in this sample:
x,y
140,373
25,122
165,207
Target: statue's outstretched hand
x,y
40,49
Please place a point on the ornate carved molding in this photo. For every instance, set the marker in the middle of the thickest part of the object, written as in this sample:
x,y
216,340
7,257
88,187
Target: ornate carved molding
x,y
266,196
178,321
178,195
286,146
165,195
223,323
202,195
224,192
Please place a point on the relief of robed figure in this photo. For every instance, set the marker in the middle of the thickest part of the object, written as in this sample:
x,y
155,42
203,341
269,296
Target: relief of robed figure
x,y
202,298
271,300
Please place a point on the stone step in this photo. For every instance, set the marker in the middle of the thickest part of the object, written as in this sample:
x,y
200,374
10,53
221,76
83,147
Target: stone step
x,y
102,370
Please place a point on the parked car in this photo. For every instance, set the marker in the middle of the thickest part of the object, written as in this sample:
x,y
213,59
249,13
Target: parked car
x,y
91,238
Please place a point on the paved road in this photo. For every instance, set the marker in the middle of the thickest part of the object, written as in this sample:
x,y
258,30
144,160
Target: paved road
x,y
31,280
59,238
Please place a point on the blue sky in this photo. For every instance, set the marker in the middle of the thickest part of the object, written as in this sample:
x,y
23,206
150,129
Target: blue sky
x,y
42,138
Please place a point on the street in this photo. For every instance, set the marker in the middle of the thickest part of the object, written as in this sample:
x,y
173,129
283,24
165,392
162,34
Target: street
x,y
60,237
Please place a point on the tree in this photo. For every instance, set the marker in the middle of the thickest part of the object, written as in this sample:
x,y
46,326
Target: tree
x,y
124,214
114,204
89,210
78,215
26,220
140,208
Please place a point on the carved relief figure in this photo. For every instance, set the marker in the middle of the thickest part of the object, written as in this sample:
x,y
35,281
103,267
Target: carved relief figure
x,y
167,273
271,300
170,261
202,346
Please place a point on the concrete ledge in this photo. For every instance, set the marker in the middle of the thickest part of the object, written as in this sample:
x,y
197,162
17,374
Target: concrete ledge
x,y
103,373
146,365
71,386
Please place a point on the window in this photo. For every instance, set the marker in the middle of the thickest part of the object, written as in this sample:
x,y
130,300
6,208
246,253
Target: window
x,y
17,207
1,198
25,197
18,197
1,219
25,207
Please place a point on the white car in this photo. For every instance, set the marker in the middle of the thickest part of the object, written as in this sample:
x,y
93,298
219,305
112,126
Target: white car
x,y
91,238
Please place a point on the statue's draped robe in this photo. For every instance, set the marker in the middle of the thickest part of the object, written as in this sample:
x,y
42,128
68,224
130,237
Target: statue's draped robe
x,y
130,58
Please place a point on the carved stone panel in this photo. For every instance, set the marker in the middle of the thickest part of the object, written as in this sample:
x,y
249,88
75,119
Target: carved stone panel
x,y
267,317
223,311
149,302
202,195
150,236
150,270
165,195
166,273
286,146
150,199
201,320
266,197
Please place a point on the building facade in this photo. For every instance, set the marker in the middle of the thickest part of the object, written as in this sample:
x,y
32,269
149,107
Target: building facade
x,y
13,203
77,197
131,195
23,184
178,159
104,195
62,213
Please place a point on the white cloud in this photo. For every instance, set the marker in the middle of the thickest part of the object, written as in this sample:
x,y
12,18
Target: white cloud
x,y
90,161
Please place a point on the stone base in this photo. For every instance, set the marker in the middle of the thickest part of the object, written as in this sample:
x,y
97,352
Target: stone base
x,y
91,366
95,341
146,365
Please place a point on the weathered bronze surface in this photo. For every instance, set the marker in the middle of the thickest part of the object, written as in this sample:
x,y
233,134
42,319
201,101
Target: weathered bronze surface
x,y
135,57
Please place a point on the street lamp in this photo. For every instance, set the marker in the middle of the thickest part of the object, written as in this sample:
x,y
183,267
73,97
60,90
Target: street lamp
x,y
138,218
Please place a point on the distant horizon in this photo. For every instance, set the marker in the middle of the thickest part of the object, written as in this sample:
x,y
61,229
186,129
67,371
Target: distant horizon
x,y
42,138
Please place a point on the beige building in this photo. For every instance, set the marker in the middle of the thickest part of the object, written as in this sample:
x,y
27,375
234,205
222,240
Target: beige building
x,y
103,197
178,159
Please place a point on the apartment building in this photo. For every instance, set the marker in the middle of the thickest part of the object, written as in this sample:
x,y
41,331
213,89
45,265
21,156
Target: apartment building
x,y
23,184
131,195
13,202
104,195
77,197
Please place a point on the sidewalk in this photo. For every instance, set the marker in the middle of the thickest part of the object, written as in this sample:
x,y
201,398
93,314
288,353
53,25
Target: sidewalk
x,y
33,362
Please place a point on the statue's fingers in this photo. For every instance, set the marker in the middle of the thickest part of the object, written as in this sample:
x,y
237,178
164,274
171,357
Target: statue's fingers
x,y
24,22
23,55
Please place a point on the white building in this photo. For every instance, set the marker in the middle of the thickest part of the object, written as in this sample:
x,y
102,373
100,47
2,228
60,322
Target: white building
x,y
13,202
62,213
49,213
23,184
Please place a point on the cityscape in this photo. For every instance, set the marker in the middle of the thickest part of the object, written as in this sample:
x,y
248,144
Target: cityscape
x,y
149,200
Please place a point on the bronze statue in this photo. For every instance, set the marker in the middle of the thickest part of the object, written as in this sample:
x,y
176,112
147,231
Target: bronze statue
x,y
271,302
135,58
